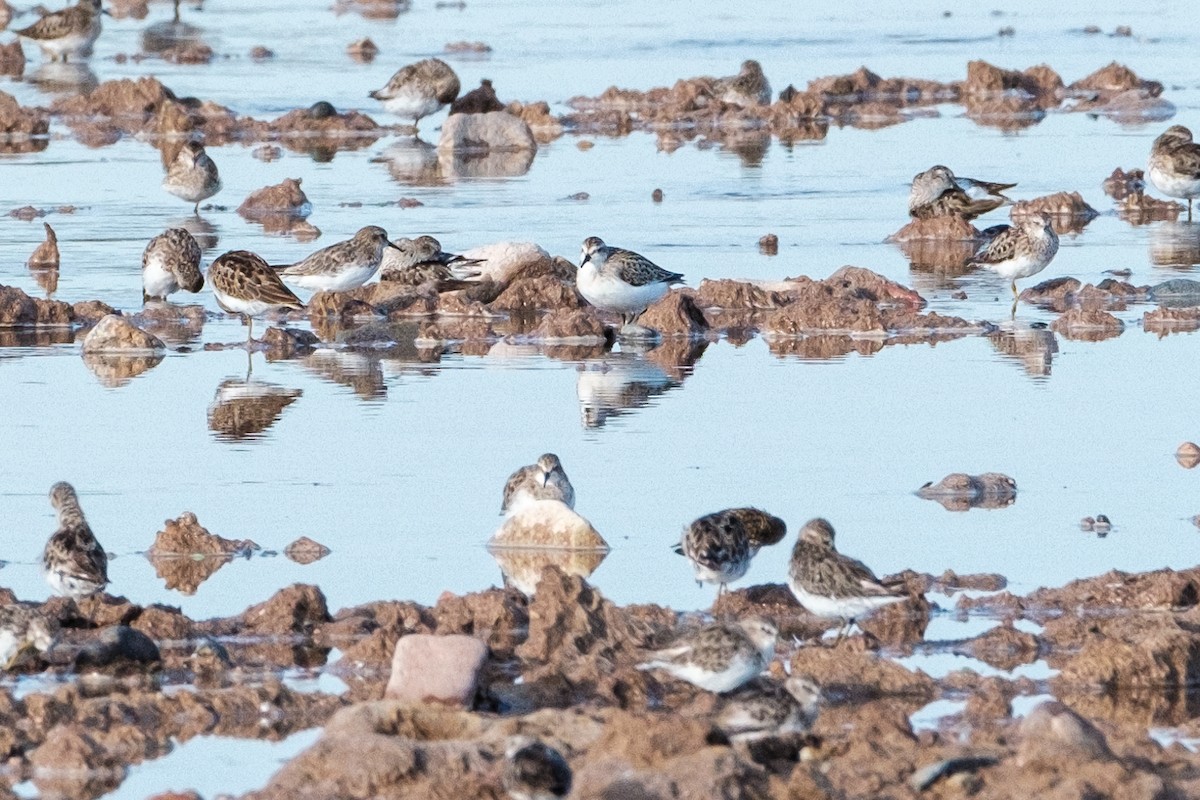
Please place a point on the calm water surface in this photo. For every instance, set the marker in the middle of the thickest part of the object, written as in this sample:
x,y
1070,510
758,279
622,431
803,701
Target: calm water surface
x,y
397,463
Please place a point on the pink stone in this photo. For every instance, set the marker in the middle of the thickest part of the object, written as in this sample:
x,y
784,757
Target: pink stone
x,y
436,669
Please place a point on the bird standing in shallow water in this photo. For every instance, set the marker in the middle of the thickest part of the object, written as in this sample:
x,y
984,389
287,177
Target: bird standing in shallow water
x,y
1020,250
193,175
614,279
245,284
830,584
1175,165
70,32
419,89
74,563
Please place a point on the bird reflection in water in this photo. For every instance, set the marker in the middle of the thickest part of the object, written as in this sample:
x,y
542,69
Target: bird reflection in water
x,y
631,379
244,408
1175,245
1034,348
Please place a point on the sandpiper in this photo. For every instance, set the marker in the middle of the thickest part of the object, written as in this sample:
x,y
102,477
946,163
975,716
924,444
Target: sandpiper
x,y
762,529
419,89
718,547
170,262
418,261
1019,250
719,657
937,192
1175,165
342,266
833,585
748,88
621,280
544,480
43,262
192,176
245,284
70,32
766,708
21,629
534,770
74,563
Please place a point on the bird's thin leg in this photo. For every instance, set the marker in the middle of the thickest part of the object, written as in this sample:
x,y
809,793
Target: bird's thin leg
x,y
249,331
842,631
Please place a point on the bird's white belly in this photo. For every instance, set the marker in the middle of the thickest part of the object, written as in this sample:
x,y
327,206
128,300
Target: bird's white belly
x,y
346,279
612,294
839,607
728,572
1021,266
412,103
157,281
71,44
1174,185
234,305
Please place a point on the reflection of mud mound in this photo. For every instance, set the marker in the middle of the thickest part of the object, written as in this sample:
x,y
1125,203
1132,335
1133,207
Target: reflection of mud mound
x,y
1087,325
115,370
184,574
372,9
35,337
487,164
1033,347
1175,245
244,409
822,347
944,257
523,568
959,491
172,323
617,384
412,162
359,371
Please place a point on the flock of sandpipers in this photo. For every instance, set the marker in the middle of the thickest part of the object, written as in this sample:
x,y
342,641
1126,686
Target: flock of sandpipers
x,y
720,657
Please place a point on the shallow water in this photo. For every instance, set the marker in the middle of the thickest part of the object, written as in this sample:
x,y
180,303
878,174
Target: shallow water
x,y
397,464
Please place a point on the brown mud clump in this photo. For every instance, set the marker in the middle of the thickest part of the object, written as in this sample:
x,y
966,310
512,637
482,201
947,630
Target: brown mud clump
x,y
19,309
1188,455
18,124
185,554
959,491
1069,212
1087,325
115,333
12,59
283,200
306,551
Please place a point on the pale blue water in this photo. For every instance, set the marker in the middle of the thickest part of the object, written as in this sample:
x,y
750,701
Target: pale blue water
x,y
403,481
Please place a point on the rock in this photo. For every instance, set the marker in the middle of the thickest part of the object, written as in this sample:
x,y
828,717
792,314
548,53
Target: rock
x,y
547,524
1003,647
1188,455
12,59
305,551
117,650
945,228
1069,211
522,567
114,333
283,343
502,262
1052,732
18,309
675,314
570,325
185,536
1164,320
18,122
768,244
436,669
1121,184
959,491
1113,79
89,312
362,50
491,131
284,199
296,609
546,292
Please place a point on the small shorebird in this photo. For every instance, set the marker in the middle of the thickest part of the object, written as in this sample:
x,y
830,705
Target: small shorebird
x,y
766,709
74,563
719,657
21,629
170,262
833,585
1175,165
619,280
718,547
544,480
419,89
342,266
1019,250
535,771
43,262
192,176
421,260
937,192
245,284
748,88
721,545
70,32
